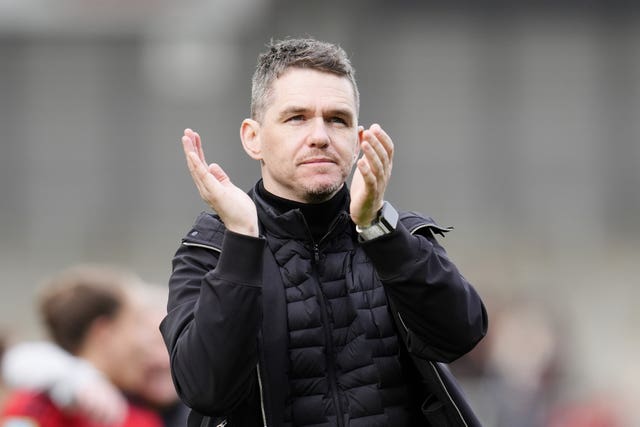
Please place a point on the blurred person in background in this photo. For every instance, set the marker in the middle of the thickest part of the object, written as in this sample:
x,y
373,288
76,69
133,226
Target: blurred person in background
x,y
157,389
523,365
100,336
71,382
278,311
517,376
3,345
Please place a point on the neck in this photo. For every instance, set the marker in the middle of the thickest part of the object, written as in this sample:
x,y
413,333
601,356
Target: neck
x,y
97,358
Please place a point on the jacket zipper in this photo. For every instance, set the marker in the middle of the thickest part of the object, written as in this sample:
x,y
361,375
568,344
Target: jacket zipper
x,y
444,387
328,336
202,245
264,415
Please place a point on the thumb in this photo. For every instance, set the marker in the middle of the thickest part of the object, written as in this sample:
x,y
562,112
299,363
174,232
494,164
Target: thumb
x,y
219,173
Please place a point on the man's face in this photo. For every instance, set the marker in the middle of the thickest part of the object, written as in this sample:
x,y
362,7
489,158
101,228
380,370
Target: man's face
x,y
125,343
139,360
157,388
308,137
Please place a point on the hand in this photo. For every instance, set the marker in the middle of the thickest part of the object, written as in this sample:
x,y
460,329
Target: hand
x,y
101,402
372,174
235,207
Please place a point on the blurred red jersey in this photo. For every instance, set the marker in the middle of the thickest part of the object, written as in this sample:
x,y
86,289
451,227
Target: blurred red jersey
x,y
33,409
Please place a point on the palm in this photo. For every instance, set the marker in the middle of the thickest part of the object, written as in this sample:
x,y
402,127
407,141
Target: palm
x,y
234,206
359,202
230,202
371,176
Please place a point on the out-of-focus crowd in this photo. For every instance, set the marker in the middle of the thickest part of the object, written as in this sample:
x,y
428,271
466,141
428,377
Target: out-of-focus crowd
x,y
516,377
105,363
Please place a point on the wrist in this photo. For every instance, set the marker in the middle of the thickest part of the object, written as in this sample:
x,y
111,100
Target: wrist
x,y
251,231
250,228
364,221
384,223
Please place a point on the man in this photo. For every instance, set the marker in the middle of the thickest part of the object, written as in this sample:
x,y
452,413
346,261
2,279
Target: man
x,y
279,306
89,314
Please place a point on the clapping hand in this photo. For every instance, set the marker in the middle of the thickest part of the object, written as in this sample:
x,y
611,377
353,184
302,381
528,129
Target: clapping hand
x,y
234,206
372,174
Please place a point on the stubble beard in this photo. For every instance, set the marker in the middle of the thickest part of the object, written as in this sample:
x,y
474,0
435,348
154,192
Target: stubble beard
x,y
322,193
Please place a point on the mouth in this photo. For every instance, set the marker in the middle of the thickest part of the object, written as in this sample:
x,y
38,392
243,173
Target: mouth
x,y
317,161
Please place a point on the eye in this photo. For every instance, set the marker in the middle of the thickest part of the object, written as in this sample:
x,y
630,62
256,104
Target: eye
x,y
295,118
338,120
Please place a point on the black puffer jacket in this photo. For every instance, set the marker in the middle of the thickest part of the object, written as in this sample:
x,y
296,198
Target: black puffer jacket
x,y
282,330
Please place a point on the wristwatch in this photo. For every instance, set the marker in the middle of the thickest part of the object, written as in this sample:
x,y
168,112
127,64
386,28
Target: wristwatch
x,y
384,223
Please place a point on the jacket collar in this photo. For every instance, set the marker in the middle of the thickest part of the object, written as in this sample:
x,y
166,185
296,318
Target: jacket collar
x,y
290,224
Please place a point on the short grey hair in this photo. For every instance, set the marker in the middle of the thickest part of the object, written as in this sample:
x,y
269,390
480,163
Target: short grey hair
x,y
301,53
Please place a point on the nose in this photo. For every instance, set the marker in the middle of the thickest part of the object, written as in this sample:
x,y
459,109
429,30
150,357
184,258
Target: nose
x,y
319,135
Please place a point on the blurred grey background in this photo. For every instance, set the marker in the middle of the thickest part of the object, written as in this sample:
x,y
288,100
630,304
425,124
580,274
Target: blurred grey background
x,y
516,122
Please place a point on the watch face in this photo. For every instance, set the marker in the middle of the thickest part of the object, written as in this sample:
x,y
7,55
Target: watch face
x,y
389,217
385,223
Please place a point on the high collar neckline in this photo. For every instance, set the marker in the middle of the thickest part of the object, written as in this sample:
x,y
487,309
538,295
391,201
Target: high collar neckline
x,y
318,217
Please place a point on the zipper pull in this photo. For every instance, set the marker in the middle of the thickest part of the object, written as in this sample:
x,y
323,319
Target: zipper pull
x,y
316,252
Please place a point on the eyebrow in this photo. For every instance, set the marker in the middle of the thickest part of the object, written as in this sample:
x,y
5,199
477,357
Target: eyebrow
x,y
293,111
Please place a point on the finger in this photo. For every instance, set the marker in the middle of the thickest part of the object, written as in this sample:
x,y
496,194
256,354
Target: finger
x,y
372,157
205,181
189,134
383,147
187,145
195,142
379,152
208,183
384,139
199,148
190,146
218,173
193,162
369,178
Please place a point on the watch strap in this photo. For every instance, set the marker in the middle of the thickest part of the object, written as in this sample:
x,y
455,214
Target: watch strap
x,y
385,223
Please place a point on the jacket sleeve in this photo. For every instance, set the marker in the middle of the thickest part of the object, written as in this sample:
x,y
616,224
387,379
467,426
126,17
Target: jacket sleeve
x,y
213,317
442,313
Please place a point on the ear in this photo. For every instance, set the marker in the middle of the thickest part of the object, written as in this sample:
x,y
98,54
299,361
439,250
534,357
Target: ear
x,y
250,136
100,330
